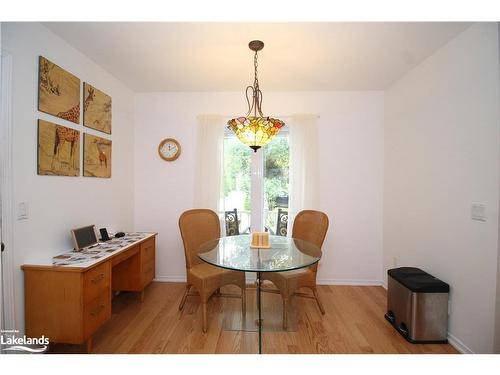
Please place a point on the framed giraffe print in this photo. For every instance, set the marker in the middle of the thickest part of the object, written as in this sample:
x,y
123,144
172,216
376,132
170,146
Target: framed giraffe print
x,y
58,91
96,109
96,156
58,150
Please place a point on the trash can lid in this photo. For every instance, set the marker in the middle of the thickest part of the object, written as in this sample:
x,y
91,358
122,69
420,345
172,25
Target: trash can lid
x,y
418,281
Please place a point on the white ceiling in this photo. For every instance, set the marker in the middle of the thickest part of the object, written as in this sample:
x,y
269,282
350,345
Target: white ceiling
x,y
297,56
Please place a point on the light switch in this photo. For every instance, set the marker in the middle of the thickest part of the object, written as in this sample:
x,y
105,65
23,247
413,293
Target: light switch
x,y
22,211
478,212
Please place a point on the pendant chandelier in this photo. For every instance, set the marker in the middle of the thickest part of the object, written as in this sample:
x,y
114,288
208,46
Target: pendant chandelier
x,y
254,129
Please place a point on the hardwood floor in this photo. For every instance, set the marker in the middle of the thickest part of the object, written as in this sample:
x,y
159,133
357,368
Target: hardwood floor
x,y
354,323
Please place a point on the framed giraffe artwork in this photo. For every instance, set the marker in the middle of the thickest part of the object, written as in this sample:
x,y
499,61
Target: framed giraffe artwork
x,y
58,150
96,109
96,156
58,91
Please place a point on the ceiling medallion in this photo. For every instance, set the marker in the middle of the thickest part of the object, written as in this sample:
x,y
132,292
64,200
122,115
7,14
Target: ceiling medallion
x,y
254,129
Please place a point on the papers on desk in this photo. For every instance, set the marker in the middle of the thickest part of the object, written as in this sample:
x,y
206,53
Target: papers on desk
x,y
95,253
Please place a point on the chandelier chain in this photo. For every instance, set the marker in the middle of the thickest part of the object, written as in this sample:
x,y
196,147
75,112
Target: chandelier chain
x,y
256,105
256,64
254,129
257,93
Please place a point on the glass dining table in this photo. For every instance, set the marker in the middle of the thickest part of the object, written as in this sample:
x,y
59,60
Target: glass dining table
x,y
234,253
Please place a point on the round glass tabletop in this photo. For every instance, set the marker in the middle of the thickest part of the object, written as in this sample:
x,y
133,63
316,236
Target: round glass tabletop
x,y
234,253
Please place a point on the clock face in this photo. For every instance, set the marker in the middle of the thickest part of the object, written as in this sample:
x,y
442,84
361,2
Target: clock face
x,y
169,149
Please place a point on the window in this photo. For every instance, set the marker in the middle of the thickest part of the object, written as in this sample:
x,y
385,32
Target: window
x,y
237,180
256,184
276,161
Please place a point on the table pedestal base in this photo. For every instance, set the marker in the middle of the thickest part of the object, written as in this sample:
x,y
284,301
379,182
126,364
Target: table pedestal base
x,y
290,254
271,315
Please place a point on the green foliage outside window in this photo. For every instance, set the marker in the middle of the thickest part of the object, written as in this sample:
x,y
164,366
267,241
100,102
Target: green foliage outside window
x,y
237,169
276,163
237,166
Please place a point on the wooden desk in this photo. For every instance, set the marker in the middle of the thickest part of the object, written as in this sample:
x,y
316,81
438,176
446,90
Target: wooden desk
x,y
68,304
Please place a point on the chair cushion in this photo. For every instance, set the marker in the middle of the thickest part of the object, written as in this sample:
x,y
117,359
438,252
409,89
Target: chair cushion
x,y
289,281
205,271
295,273
286,276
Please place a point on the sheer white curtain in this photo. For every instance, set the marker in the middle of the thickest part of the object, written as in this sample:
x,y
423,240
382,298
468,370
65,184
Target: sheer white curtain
x,y
304,168
209,163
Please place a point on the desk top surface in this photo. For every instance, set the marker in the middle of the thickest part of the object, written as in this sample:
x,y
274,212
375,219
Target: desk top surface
x,y
90,257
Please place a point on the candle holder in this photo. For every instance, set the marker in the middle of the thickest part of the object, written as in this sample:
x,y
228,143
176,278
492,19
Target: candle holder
x,y
260,240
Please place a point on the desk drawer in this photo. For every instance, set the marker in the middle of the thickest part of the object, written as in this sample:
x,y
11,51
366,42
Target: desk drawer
x,y
148,250
148,272
125,255
95,313
96,281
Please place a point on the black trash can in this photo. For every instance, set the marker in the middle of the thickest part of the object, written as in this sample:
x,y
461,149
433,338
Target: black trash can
x,y
417,305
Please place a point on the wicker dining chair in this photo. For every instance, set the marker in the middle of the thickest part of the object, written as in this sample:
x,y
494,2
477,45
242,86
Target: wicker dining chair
x,y
310,226
197,227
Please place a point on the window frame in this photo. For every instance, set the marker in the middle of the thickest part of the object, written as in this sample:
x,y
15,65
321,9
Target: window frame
x,y
257,220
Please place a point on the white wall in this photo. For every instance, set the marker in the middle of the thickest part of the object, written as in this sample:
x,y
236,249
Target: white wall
x,y
1,190
57,204
442,154
497,311
351,166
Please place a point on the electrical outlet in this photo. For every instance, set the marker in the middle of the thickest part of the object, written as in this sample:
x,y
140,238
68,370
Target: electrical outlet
x,y
22,211
478,212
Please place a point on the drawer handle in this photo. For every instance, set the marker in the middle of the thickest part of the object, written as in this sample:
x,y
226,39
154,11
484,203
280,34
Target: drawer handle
x,y
97,278
97,310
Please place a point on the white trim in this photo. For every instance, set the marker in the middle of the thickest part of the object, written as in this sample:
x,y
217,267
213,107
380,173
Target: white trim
x,y
257,192
182,279
170,279
459,345
6,187
354,282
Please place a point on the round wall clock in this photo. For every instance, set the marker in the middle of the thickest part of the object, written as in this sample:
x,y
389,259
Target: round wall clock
x,y
169,149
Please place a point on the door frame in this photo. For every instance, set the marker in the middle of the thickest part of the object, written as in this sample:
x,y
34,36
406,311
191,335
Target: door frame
x,y
257,191
6,193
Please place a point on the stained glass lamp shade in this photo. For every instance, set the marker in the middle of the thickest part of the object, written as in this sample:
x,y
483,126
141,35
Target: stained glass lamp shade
x,y
255,130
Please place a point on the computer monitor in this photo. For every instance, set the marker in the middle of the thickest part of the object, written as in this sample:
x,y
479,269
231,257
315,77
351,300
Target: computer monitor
x,y
84,237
